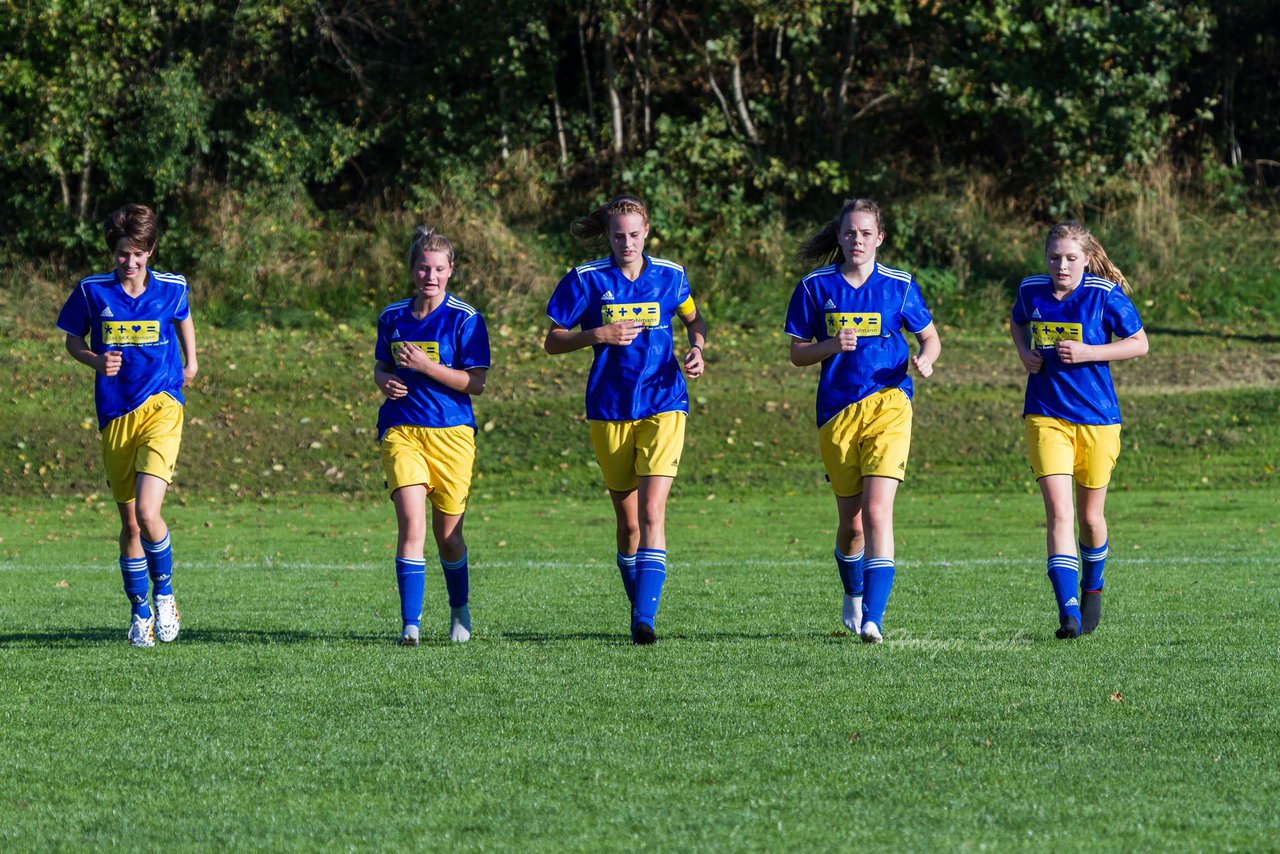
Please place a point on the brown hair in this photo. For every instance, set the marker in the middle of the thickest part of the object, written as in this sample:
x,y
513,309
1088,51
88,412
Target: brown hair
x,y
823,246
136,222
1099,264
590,229
427,239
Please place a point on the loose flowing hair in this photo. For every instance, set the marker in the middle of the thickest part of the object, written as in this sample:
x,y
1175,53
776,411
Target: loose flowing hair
x,y
427,239
136,222
823,246
592,229
1098,264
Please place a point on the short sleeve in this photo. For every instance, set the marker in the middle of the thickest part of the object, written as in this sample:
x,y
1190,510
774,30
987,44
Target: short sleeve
x,y
1019,314
1120,316
182,310
801,315
382,347
568,301
473,344
915,314
74,317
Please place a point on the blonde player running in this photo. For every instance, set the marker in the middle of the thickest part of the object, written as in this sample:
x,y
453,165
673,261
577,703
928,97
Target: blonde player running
x,y
849,316
432,356
133,327
625,306
1068,326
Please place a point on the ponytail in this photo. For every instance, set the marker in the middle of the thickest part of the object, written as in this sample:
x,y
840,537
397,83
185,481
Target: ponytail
x,y
823,246
591,229
1099,264
426,239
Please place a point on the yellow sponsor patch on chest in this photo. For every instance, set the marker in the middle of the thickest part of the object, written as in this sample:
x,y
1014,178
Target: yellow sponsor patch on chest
x,y
130,331
1044,334
646,313
431,348
866,323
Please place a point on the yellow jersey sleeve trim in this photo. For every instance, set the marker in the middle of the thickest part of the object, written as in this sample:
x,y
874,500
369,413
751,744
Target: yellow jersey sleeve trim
x,y
687,309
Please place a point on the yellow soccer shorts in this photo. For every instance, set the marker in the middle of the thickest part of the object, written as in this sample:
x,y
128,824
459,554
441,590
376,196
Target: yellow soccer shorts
x,y
1088,452
870,438
439,458
647,447
144,441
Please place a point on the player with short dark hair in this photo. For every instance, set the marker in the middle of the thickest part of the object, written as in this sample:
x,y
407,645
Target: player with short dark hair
x,y
1068,326
431,358
624,306
133,327
849,317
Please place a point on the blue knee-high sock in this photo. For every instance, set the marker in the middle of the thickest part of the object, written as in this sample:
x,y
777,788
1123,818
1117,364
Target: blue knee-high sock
x,y
877,574
457,580
134,572
1092,564
411,576
627,569
1064,575
159,565
651,572
850,567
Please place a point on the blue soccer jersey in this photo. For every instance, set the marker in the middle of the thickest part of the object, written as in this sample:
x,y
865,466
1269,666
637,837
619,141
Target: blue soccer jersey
x,y
453,335
889,300
1094,312
643,378
140,327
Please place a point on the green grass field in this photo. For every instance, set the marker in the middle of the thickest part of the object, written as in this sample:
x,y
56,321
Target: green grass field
x,y
285,717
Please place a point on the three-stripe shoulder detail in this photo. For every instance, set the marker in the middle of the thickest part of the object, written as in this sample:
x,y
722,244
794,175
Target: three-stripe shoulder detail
x,y
1099,282
1033,281
821,271
395,306
892,273
457,304
171,278
592,266
663,262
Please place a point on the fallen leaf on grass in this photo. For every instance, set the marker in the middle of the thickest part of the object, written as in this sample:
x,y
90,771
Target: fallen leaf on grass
x,y
63,584
1117,697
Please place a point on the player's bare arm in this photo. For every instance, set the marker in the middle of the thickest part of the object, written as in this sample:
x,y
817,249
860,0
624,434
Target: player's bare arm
x,y
694,363
1031,360
560,340
930,349
106,363
388,383
1077,352
187,341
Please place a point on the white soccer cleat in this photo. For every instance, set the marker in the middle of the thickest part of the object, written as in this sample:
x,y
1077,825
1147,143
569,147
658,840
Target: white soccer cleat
x,y
142,632
871,633
409,637
167,618
460,624
851,614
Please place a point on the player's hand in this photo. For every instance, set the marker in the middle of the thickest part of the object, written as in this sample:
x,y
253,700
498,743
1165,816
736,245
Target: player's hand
x,y
109,363
411,356
1031,360
392,386
846,340
693,364
1074,352
619,334
924,366
189,371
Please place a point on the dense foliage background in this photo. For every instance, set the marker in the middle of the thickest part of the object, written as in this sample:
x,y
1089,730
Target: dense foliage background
x,y
291,144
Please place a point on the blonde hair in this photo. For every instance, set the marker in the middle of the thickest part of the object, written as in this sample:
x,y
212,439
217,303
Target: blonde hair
x,y
823,246
1099,264
427,239
592,228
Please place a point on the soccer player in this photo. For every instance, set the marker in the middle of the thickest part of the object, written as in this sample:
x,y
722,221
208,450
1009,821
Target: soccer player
x,y
431,357
624,306
849,316
133,327
1068,326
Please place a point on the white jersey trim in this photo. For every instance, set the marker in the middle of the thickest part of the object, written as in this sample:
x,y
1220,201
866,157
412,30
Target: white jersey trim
x,y
893,273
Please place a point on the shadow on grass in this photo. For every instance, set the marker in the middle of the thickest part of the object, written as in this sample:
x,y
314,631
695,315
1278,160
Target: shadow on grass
x,y
115,636
1209,333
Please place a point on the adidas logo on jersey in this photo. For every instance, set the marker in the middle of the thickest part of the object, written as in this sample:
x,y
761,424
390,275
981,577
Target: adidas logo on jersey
x,y
1035,313
395,334
106,312
607,295
830,306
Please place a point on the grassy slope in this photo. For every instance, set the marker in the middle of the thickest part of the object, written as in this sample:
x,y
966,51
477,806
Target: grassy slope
x,y
285,718
292,412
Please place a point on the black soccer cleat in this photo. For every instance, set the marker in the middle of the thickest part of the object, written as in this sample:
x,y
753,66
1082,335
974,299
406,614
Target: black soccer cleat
x,y
642,634
1068,627
1090,610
